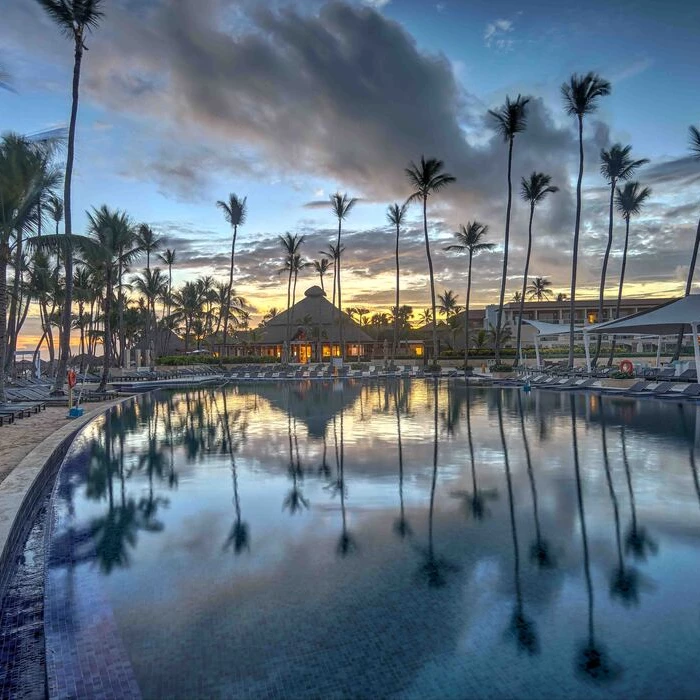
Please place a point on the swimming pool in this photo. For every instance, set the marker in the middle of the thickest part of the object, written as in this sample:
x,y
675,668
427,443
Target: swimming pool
x,y
385,539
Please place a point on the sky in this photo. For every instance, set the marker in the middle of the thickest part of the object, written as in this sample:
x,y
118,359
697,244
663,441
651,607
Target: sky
x,y
186,101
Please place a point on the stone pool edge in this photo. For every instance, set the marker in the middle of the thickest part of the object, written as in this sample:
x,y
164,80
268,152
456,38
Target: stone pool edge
x,y
23,490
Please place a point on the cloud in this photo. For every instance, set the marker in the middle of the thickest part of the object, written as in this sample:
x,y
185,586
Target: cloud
x,y
497,34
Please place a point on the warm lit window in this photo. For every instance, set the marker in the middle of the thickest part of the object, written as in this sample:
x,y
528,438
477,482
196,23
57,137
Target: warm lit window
x,y
326,351
419,351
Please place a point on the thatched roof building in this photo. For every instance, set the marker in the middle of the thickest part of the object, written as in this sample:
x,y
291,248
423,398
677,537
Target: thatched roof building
x,y
309,331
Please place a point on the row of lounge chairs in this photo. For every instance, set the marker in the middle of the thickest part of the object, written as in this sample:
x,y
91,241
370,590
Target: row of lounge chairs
x,y
256,373
10,412
662,389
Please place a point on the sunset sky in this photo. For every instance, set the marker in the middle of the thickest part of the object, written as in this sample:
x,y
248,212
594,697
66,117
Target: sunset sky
x,y
286,102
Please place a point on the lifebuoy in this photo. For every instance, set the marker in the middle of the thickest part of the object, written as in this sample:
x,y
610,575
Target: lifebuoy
x,y
72,378
626,366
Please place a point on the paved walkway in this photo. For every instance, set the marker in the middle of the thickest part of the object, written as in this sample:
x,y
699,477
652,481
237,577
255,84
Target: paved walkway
x,y
20,438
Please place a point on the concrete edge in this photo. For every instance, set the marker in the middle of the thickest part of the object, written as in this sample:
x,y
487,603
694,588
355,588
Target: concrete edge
x,y
24,488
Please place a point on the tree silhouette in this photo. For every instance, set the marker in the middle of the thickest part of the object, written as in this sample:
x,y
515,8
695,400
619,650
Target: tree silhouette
x,y
624,581
540,549
592,660
522,628
401,525
434,569
638,542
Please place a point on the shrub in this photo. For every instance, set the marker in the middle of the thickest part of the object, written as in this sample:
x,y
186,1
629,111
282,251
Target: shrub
x,y
501,368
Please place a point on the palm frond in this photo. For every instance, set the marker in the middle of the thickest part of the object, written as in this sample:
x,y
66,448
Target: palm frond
x,y
695,141
630,199
581,93
511,117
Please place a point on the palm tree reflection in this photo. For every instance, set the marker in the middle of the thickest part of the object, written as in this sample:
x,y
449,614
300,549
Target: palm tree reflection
x,y
239,537
475,501
401,525
434,568
638,542
592,661
347,543
540,549
294,501
624,582
521,627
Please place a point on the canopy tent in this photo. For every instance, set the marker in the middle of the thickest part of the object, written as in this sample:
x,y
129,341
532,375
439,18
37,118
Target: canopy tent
x,y
544,329
666,319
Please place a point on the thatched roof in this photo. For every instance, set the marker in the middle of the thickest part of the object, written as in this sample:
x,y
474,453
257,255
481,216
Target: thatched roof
x,y
322,317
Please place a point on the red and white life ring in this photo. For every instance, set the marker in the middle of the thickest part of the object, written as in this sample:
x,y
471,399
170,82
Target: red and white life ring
x,y
627,367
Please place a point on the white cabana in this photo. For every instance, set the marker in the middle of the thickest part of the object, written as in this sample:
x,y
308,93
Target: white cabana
x,y
667,319
544,329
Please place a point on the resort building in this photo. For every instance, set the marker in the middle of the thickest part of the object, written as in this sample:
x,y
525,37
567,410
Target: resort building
x,y
311,329
586,310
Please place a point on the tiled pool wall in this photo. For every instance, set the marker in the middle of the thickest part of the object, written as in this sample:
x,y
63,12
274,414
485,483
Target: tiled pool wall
x,y
84,653
28,511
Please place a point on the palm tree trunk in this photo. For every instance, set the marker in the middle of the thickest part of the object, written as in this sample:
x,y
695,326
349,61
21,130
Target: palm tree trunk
x,y
432,279
504,274
396,309
64,336
622,283
4,255
227,310
340,299
688,287
14,301
120,311
603,274
289,306
466,314
577,226
522,295
107,342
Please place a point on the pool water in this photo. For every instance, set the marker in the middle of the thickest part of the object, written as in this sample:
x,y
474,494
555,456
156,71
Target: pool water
x,y
412,539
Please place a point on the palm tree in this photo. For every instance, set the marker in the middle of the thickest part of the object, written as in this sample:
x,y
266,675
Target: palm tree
x,y
168,258
428,178
290,245
511,119
628,201
111,230
74,18
24,178
448,303
235,213
695,150
148,241
615,165
533,190
341,206
426,317
561,296
539,289
581,95
333,253
396,213
321,266
517,296
153,285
